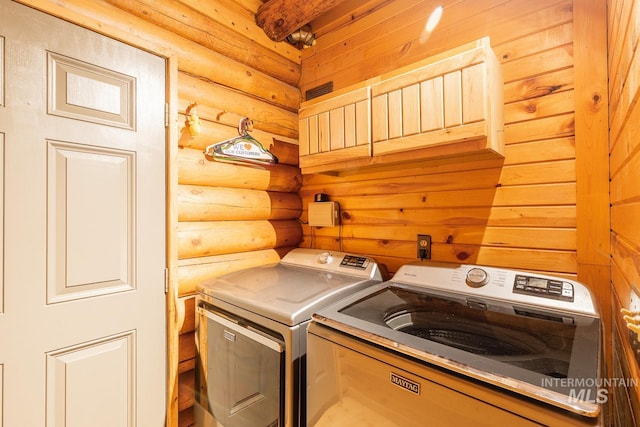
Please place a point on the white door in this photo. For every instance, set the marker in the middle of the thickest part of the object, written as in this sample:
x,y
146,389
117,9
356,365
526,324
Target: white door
x,y
82,163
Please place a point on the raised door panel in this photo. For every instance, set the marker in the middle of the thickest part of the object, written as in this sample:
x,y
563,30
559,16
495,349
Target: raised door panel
x,y
431,100
1,388
1,230
411,109
474,94
91,212
81,392
1,70
2,60
84,91
452,99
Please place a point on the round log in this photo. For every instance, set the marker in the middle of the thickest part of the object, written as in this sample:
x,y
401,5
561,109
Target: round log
x,y
194,272
227,106
198,203
196,26
198,239
195,169
285,151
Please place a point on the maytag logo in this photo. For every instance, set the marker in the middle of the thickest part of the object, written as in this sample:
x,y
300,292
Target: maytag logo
x,y
405,383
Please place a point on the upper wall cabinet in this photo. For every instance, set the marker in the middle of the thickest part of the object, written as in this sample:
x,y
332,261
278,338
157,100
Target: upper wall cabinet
x,y
336,128
448,106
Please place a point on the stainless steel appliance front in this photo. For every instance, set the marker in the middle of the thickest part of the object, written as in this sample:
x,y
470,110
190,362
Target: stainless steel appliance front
x,y
467,345
251,335
244,370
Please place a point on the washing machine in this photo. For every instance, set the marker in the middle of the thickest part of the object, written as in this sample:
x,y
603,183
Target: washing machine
x,y
251,335
457,345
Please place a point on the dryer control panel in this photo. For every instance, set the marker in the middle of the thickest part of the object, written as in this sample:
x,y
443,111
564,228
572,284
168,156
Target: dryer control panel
x,y
355,262
334,262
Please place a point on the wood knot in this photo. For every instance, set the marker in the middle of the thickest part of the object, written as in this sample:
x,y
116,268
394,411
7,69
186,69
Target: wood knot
x,y
597,98
345,215
462,256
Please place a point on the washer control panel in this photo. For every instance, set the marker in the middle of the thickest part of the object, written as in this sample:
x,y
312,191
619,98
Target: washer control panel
x,y
543,287
521,287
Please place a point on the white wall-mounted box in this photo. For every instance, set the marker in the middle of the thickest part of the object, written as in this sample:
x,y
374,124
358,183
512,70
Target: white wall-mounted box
x,y
323,214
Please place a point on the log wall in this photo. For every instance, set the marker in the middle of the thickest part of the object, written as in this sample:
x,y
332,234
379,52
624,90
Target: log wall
x,y
624,92
229,216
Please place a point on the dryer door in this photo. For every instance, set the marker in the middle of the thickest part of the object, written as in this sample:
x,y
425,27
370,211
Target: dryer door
x,y
243,373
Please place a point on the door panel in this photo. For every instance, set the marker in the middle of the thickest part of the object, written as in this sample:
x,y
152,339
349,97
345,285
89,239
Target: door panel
x,y
1,71
91,192
1,218
82,320
88,92
80,392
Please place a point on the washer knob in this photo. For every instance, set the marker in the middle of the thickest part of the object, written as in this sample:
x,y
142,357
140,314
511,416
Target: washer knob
x,y
477,277
324,258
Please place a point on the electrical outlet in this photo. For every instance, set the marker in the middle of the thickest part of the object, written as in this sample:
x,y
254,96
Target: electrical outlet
x,y
424,246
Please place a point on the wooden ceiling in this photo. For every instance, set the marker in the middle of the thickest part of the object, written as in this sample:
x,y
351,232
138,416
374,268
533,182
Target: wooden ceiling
x,y
279,18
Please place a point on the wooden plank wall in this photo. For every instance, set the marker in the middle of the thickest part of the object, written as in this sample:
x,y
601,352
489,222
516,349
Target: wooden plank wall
x,y
222,217
520,212
546,206
624,93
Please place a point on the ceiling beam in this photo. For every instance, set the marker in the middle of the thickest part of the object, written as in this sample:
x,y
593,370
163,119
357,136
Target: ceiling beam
x,y
279,18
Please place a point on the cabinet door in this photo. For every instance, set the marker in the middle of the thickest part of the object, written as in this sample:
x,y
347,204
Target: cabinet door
x,y
441,106
335,129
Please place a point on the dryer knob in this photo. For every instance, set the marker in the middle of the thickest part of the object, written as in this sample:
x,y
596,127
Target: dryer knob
x,y
477,277
324,258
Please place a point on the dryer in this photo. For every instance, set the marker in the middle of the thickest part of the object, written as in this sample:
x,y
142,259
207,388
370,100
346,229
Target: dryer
x,y
251,335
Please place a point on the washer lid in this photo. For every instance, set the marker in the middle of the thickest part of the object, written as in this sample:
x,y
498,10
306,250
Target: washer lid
x,y
285,293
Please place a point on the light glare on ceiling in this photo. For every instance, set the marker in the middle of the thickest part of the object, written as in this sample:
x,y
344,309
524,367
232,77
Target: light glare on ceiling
x,y
434,19
432,23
